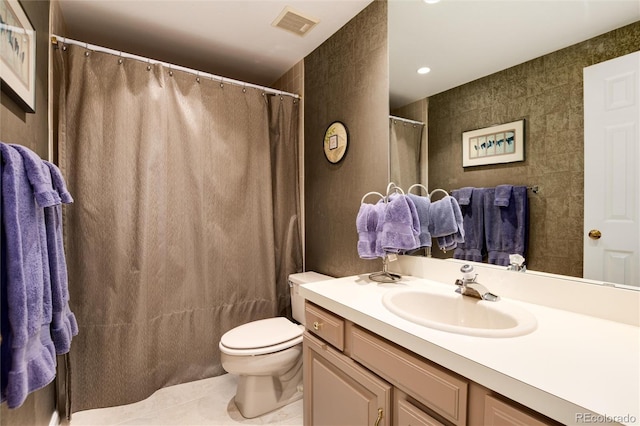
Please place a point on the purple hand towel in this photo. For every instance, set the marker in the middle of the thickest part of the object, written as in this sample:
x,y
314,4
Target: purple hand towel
x,y
473,219
506,228
503,195
367,225
446,223
463,195
58,183
400,227
423,205
40,181
64,325
25,280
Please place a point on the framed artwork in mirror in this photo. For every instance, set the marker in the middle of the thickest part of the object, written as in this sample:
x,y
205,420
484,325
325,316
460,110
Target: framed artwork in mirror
x,y
336,142
493,145
17,54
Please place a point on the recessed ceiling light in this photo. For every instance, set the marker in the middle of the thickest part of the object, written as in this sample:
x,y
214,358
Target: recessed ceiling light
x,y
424,70
431,1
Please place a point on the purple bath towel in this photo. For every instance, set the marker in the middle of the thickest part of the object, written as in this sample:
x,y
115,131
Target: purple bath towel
x,y
506,228
473,247
423,205
25,280
401,226
63,325
367,225
446,223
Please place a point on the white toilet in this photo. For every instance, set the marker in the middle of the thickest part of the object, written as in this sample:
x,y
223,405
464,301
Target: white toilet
x,y
266,355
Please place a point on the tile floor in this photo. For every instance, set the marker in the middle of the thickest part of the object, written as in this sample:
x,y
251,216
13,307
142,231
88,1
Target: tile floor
x,y
206,402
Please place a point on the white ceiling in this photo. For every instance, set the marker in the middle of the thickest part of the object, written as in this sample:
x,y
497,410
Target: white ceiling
x,y
229,38
461,40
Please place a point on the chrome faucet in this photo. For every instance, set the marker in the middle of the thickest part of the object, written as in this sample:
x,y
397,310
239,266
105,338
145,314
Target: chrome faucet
x,y
467,286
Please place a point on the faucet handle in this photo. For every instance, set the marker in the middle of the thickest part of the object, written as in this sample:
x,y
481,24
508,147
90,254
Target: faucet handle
x,y
468,274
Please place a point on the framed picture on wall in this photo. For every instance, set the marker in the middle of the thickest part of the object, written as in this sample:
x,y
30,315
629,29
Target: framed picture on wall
x,y
493,145
17,54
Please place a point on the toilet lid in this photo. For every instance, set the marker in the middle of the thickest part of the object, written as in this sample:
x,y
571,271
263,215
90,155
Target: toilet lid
x,y
261,333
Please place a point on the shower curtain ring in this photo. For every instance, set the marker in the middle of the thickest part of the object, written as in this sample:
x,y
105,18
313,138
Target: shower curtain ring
x,y
221,83
198,77
148,64
244,88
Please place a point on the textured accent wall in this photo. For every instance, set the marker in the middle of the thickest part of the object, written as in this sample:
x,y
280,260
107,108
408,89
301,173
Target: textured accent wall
x,y
346,79
32,131
547,93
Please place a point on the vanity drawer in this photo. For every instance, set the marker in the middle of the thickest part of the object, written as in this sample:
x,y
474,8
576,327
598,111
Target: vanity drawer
x,y
438,389
500,413
407,414
325,324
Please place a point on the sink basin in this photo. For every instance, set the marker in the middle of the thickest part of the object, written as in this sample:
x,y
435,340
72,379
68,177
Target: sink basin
x,y
459,314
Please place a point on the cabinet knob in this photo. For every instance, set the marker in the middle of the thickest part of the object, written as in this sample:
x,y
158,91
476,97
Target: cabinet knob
x,y
379,417
595,234
317,325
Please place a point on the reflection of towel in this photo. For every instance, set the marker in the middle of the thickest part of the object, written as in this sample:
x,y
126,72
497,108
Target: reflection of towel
x,y
446,223
64,325
503,195
25,282
463,195
473,215
400,227
366,225
423,205
506,228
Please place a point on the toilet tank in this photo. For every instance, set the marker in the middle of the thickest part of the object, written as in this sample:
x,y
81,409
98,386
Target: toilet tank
x,y
297,301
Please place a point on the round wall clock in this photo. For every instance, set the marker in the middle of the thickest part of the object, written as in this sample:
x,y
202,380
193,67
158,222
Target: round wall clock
x,y
336,140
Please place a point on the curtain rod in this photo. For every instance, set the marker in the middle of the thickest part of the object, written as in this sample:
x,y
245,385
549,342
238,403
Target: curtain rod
x,y
406,120
55,39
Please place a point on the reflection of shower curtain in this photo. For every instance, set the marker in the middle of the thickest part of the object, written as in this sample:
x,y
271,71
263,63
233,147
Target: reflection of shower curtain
x,y
405,140
185,222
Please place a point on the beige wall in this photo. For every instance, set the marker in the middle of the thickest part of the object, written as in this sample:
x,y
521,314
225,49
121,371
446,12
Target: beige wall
x,y
346,79
31,130
547,93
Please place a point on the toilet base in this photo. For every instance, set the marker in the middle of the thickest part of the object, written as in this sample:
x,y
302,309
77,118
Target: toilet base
x,y
258,395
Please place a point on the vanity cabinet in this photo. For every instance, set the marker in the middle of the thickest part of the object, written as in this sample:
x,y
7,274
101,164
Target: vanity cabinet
x,y
353,376
338,391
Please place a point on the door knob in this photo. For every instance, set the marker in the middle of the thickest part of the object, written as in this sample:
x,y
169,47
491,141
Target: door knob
x,y
595,234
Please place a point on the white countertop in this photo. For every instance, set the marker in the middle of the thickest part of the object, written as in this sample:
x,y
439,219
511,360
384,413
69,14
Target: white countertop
x,y
572,365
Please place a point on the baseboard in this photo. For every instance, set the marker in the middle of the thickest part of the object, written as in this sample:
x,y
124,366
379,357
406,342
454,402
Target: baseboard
x,y
55,419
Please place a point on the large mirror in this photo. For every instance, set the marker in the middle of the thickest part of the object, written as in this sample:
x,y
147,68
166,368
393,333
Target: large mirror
x,y
494,62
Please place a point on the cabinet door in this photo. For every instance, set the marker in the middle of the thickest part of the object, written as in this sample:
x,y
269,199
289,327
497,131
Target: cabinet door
x,y
339,392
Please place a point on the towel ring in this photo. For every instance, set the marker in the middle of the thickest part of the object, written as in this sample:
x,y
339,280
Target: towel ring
x,y
446,194
394,187
371,193
426,191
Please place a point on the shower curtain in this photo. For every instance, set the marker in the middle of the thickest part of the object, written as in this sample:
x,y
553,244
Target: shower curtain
x,y
405,140
185,223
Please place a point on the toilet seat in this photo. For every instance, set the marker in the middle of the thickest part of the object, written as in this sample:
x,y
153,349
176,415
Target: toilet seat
x,y
261,337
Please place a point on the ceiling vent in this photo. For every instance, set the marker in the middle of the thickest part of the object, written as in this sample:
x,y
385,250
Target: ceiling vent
x,y
294,22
